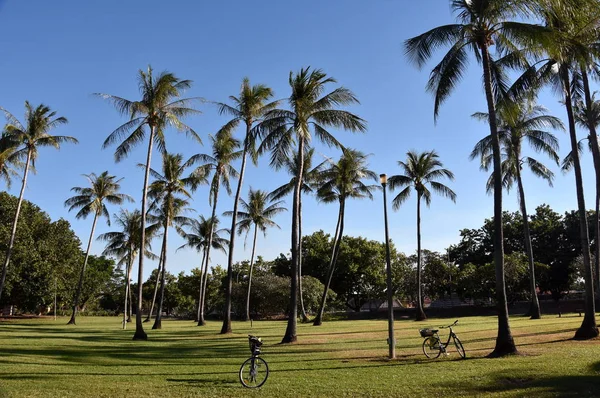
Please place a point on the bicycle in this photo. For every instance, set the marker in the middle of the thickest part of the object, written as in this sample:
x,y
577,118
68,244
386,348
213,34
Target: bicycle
x,y
433,346
254,370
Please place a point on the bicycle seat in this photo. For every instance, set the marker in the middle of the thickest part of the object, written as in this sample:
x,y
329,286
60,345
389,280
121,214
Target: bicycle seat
x,y
434,330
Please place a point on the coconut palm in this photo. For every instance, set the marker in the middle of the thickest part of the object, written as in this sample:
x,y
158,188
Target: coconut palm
x,y
249,108
481,25
125,244
92,200
258,213
8,160
308,178
311,114
28,138
342,180
159,108
170,192
520,122
422,172
224,152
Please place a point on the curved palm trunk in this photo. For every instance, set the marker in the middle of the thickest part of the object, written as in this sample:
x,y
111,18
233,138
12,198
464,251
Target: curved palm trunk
x,y
130,309
505,344
139,327
204,276
250,276
301,296
158,274
127,289
290,331
420,316
158,319
588,327
199,316
337,240
13,233
226,328
82,274
534,307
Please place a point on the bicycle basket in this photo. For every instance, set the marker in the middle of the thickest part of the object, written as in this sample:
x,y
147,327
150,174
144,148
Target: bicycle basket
x,y
426,332
255,343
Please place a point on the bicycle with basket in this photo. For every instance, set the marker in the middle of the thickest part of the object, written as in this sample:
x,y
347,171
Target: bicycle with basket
x,y
254,370
433,346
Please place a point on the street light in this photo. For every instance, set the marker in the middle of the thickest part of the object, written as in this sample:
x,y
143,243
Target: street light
x,y
390,293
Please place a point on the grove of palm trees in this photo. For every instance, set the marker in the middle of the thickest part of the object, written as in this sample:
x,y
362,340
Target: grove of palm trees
x,y
468,106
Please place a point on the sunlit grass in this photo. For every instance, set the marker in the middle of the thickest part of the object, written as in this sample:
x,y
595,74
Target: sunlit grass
x,y
341,358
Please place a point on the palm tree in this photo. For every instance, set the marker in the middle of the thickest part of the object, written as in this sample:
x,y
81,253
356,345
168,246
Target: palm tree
x,y
341,181
170,193
224,149
125,244
481,25
92,200
421,172
203,233
8,160
159,108
27,139
249,108
308,178
311,113
519,122
257,212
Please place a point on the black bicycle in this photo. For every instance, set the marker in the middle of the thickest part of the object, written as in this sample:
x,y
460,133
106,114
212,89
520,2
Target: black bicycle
x,y
254,370
433,346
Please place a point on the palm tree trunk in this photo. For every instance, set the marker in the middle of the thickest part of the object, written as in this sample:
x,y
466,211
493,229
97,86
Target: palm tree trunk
x,y
13,233
301,296
250,276
139,327
596,158
588,327
505,344
158,319
201,321
227,316
82,273
420,316
200,296
158,273
130,309
290,335
127,288
534,308
337,240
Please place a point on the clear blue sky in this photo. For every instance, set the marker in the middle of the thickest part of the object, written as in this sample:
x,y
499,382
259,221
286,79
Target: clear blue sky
x,y
59,53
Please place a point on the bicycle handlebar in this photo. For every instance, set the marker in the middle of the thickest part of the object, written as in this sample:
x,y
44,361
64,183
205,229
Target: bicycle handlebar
x,y
446,327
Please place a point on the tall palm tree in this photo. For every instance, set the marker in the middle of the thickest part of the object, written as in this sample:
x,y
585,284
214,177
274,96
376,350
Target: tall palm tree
x,y
258,213
519,122
249,108
224,152
310,113
481,25
92,200
159,108
125,245
342,180
203,233
309,177
8,160
28,138
421,172
170,192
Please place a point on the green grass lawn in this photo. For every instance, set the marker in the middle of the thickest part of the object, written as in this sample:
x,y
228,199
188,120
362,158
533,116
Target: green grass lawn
x,y
46,358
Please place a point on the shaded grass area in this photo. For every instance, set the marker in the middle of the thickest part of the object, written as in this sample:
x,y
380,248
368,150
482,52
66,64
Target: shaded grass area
x,y
44,358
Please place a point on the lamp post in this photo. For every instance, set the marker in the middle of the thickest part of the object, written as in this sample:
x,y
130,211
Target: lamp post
x,y
390,293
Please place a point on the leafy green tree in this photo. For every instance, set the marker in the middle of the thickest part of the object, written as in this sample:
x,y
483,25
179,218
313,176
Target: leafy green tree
x,y
159,108
258,213
342,180
92,200
421,172
27,138
311,113
519,122
481,25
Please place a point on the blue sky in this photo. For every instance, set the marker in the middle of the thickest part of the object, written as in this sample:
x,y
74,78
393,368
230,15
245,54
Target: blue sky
x,y
59,53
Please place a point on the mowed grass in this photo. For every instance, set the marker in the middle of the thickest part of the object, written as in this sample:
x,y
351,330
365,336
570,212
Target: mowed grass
x,y
96,358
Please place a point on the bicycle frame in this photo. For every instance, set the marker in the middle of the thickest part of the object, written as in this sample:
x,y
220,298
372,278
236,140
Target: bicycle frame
x,y
450,336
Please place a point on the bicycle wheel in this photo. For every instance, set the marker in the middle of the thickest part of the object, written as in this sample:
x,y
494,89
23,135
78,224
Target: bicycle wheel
x,y
431,347
254,372
459,348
